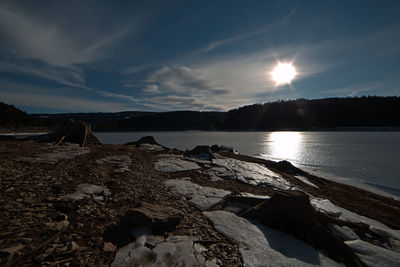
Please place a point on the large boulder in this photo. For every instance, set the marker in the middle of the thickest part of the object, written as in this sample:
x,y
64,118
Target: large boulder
x,y
200,152
291,212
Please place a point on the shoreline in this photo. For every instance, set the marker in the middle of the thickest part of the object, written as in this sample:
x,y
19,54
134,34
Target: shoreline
x,y
37,180
351,181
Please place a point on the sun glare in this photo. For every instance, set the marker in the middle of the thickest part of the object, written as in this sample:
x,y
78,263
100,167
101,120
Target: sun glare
x,y
283,73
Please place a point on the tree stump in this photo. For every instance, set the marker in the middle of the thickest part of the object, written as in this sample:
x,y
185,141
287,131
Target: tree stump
x,y
78,132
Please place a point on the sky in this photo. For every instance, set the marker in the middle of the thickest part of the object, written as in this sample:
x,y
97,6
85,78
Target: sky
x,y
109,56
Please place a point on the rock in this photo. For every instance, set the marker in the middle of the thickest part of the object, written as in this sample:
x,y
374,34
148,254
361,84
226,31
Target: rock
x,y
57,154
109,247
172,163
200,152
292,213
174,251
74,246
218,148
324,206
144,140
151,147
260,245
123,162
250,173
88,190
372,255
344,232
201,197
154,216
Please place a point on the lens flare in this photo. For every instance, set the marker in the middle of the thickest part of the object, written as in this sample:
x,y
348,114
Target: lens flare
x,y
284,73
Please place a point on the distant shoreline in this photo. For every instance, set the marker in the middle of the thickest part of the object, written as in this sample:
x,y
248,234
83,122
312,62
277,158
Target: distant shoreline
x,y
339,129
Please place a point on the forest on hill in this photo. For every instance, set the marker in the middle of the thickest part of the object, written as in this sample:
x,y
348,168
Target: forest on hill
x,y
300,114
368,111
13,118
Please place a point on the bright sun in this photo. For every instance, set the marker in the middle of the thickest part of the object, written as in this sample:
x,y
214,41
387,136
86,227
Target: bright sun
x,y
283,73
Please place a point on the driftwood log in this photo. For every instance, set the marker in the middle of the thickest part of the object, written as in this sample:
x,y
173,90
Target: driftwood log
x,y
291,212
78,132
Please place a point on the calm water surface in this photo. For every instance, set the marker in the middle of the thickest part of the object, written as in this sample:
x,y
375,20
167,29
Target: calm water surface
x,y
369,157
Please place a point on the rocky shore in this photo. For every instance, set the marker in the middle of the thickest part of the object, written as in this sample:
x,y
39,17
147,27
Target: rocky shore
x,y
142,204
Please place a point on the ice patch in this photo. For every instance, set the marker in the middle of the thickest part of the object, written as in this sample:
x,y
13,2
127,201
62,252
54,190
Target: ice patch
x,y
372,255
172,163
201,197
306,181
250,173
260,245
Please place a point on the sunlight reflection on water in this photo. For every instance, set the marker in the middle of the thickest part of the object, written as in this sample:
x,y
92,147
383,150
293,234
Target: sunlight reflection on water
x,y
284,145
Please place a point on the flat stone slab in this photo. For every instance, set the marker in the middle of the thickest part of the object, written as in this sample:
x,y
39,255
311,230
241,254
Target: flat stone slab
x,y
58,153
372,255
260,245
123,162
89,190
250,173
343,232
173,251
327,207
201,197
172,163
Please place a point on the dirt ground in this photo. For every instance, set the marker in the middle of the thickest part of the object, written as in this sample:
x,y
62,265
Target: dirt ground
x,y
39,227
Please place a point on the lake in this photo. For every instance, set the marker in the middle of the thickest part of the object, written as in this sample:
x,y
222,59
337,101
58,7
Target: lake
x,y
371,158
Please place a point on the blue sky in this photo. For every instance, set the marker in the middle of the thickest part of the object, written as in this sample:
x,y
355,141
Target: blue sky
x,y
107,56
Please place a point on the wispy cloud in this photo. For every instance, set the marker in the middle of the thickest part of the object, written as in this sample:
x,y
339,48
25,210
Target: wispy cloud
x,y
27,37
61,102
151,89
183,79
261,30
356,89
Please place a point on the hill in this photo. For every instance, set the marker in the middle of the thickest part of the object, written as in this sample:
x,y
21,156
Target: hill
x,y
13,118
300,114
305,114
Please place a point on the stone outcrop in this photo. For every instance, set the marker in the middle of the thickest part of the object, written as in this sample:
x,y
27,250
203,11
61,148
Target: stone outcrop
x,y
292,213
200,152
